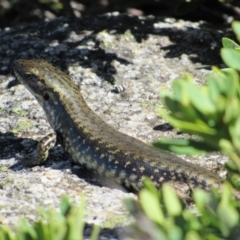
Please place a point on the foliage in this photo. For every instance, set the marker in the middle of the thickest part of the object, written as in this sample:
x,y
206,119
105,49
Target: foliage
x,y
163,216
210,112
66,225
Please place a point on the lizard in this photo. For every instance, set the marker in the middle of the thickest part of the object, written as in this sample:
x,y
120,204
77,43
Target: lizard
x,y
92,142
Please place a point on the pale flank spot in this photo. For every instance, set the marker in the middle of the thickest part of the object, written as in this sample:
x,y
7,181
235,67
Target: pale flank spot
x,y
81,159
173,177
142,169
94,165
122,175
127,163
110,158
101,169
142,178
161,179
134,185
133,177
111,173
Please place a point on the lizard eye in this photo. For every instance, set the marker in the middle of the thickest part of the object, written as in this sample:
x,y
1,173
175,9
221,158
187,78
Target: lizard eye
x,y
46,96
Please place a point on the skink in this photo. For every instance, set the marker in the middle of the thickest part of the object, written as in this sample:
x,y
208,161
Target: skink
x,y
92,142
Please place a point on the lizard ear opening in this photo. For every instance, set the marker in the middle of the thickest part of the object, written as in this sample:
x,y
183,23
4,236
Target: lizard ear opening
x,y
46,96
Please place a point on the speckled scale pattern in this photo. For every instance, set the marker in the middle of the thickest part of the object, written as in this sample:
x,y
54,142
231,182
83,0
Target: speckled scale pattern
x,y
92,142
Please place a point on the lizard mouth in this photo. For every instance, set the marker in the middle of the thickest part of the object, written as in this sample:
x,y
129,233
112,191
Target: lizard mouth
x,y
27,75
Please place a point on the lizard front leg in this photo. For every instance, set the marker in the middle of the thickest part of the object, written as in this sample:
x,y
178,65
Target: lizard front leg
x,y
40,154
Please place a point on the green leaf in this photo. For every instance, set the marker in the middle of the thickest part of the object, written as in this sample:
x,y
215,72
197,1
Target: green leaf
x,y
226,145
186,146
192,221
218,72
148,184
172,202
235,134
214,88
227,214
53,225
27,231
228,43
201,198
132,205
231,166
225,81
42,230
195,128
189,113
6,234
236,28
192,235
187,93
95,232
231,58
200,99
207,204
151,206
179,93
175,233
231,82
232,111
65,205
172,104
74,226
233,178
